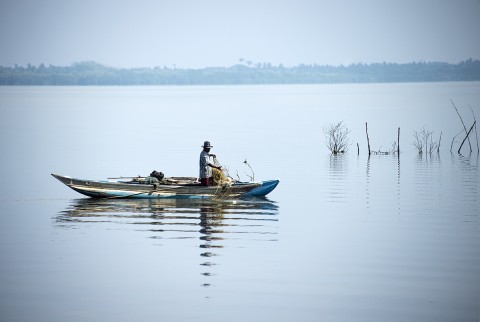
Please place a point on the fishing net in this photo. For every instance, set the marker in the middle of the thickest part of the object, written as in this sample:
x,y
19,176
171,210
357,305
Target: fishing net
x,y
218,176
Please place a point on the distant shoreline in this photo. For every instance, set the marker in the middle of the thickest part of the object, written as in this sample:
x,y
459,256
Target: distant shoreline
x,y
91,73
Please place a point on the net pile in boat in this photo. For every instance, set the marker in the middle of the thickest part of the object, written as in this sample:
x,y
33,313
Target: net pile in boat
x,y
222,181
218,176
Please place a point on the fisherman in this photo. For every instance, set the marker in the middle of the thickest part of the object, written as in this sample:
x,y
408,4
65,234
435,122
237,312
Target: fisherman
x,y
205,165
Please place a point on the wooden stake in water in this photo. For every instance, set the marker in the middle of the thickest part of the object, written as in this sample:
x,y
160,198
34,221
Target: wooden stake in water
x,y
398,142
368,140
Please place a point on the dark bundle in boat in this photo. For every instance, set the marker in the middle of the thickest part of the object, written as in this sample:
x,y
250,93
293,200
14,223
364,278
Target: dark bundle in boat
x,y
158,175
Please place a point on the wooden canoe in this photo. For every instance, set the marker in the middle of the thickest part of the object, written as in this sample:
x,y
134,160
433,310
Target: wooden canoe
x,y
173,188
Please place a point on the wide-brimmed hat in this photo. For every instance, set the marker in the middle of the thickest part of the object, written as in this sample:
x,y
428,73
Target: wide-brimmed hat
x,y
206,144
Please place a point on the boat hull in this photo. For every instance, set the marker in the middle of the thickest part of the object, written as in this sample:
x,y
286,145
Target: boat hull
x,y
106,189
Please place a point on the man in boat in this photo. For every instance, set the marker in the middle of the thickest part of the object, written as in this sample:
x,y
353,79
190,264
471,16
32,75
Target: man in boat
x,y
205,165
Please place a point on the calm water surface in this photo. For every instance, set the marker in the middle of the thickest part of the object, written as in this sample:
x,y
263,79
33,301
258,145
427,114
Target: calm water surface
x,y
342,238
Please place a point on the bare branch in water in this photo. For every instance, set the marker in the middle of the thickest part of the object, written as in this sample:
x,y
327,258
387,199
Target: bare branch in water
x,y
336,137
417,142
423,141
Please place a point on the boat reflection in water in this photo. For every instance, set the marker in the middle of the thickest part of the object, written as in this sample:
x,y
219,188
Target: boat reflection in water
x,y
216,223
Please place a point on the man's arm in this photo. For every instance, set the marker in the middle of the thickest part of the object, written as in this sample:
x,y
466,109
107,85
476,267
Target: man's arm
x,y
212,165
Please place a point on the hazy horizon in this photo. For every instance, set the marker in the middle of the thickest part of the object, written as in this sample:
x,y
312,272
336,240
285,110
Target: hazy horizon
x,y
244,62
214,33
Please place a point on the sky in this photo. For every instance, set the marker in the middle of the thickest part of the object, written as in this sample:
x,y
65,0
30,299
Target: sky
x,y
204,33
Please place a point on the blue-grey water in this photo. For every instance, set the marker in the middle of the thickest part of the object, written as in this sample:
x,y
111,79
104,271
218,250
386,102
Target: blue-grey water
x,y
342,238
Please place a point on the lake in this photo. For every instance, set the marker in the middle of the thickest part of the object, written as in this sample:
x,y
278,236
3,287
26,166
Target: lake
x,y
343,237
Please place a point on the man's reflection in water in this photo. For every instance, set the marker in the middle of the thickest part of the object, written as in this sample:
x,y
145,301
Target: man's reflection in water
x,y
257,219
210,226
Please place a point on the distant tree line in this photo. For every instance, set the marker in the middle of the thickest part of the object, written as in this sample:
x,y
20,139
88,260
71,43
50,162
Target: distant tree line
x,y
91,73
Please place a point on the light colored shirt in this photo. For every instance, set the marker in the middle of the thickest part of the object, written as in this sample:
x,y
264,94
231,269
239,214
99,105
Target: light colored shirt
x,y
205,170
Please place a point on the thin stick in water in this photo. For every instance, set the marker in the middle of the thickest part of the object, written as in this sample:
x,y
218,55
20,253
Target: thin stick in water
x,y
476,133
467,137
464,127
439,142
453,140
